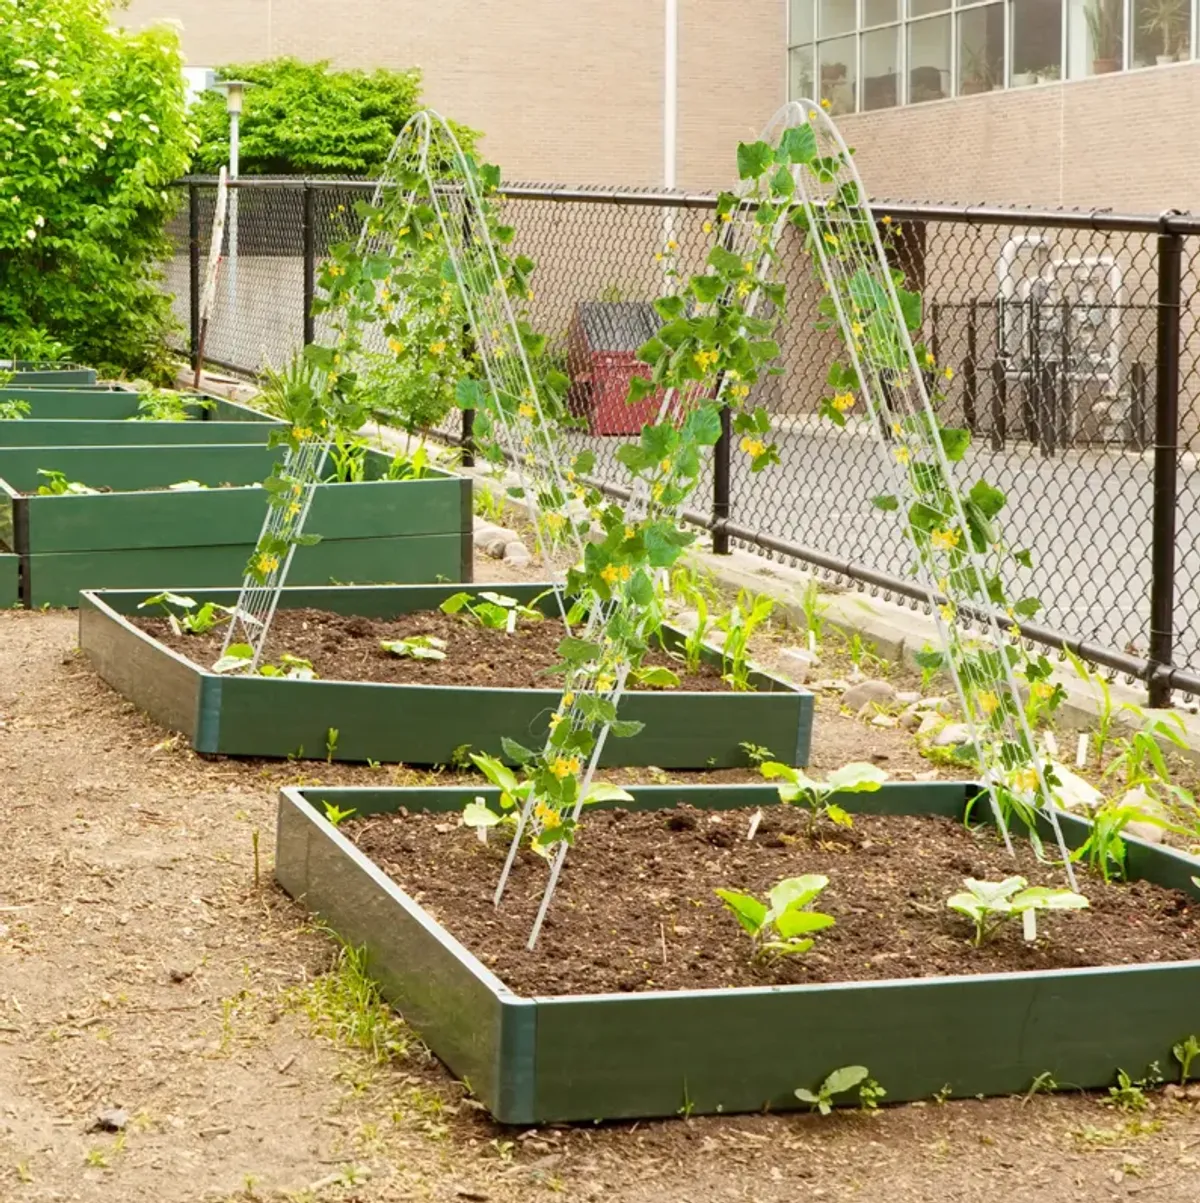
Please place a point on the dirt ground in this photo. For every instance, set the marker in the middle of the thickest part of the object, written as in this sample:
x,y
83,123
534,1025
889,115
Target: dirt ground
x,y
142,968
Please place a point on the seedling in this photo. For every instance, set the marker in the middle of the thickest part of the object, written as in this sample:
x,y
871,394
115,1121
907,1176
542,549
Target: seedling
x,y
294,668
331,743
1127,1095
57,485
348,455
194,621
693,644
655,677
930,662
839,1082
160,405
416,647
755,753
14,411
814,610
797,788
497,611
335,814
781,926
1185,1053
748,613
989,904
1104,848
863,655
1044,1083
409,467
1140,760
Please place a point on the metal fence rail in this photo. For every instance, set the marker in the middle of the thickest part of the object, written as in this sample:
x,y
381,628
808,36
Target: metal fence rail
x,y
1071,338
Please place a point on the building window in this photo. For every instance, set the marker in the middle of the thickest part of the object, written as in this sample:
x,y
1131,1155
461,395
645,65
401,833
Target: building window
x,y
863,55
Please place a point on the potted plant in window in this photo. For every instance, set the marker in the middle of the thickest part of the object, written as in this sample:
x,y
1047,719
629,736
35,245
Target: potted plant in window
x,y
976,72
1166,19
1024,79
1104,31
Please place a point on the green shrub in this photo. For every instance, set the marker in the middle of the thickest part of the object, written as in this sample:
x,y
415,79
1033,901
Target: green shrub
x,y
92,131
305,119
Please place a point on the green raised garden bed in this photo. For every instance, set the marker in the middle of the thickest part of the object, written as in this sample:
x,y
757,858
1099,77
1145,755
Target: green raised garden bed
x,y
48,425
78,401
414,724
376,530
36,372
606,1056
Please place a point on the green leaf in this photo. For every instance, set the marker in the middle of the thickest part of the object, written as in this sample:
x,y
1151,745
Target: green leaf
x,y
707,289
454,603
669,308
844,1079
237,656
746,909
703,425
989,500
1027,607
885,501
516,752
658,678
469,394
910,308
795,922
856,778
796,891
603,791
495,771
624,728
476,814
799,144
1024,558
578,651
955,442
753,158
929,659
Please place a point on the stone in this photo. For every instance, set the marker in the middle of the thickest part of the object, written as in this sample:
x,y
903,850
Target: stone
x,y
517,554
885,720
112,1119
953,735
798,662
869,693
1074,793
936,705
495,546
485,532
911,718
908,697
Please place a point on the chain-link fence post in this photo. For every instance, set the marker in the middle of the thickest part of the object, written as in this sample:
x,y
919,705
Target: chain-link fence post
x,y
1166,461
194,275
309,223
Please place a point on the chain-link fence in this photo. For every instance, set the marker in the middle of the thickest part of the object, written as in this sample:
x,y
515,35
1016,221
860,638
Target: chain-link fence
x,y
1070,337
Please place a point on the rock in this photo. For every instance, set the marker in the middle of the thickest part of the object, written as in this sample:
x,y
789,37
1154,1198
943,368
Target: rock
x,y
885,720
869,693
1074,793
113,1119
495,546
516,553
908,697
933,705
181,973
911,719
832,685
798,662
485,532
953,735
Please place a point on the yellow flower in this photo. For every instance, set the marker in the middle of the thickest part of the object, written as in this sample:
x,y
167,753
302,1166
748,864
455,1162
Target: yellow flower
x,y
529,295
727,217
293,509
707,227
526,410
672,245
395,346
946,540
988,703
630,532
887,221
832,239
604,682
947,612
739,392
335,270
565,766
267,563
856,328
403,231
547,815
657,492
295,490
625,572
300,433
568,699
825,104
752,447
843,402
555,521
609,574
665,466
658,256
555,719
1042,690
1026,779
902,455
812,114
929,359
743,289
705,359
437,348
1014,631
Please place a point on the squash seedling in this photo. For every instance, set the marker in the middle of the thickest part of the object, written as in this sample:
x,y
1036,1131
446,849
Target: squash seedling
x,y
797,788
782,926
840,1082
496,611
990,904
193,620
57,485
416,647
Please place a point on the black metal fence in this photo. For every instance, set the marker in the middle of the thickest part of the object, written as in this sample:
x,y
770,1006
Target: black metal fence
x,y
1071,337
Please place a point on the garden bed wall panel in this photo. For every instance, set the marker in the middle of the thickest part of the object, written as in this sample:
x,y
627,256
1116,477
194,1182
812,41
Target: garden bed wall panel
x,y
70,375
449,996
426,724
622,1056
10,580
55,432
100,401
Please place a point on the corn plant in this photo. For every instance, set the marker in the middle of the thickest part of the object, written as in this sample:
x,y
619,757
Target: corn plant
x,y
348,455
797,788
1140,760
783,925
686,586
990,904
409,467
746,615
814,610
1185,1053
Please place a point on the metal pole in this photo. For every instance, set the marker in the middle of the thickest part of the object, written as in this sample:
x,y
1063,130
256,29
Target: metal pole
x,y
310,264
235,146
194,273
970,369
1166,463
468,438
722,454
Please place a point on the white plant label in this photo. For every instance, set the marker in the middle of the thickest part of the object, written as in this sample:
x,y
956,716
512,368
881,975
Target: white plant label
x,y
510,623
812,642
1081,752
1029,921
1051,743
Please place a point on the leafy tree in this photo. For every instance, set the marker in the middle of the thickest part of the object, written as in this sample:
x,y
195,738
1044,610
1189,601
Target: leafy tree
x,y
306,119
93,129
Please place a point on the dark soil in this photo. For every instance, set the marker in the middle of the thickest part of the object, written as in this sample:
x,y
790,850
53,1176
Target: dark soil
x,y
346,648
635,908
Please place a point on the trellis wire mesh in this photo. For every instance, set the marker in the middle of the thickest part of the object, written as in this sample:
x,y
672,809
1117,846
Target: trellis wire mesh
x,y
1048,319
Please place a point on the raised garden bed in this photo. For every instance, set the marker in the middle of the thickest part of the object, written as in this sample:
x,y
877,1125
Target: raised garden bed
x,y
27,371
546,1053
218,421
74,401
414,723
375,530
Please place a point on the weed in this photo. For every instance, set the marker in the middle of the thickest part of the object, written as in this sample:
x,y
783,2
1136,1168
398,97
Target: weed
x,y
989,904
756,754
24,1173
748,613
162,405
930,662
96,1158
1044,1083
409,467
460,758
838,1082
1185,1053
1127,1095
335,814
488,505
863,655
348,456
331,743
782,925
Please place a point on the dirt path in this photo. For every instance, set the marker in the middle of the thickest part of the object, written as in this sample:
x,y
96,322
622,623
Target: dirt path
x,y
141,968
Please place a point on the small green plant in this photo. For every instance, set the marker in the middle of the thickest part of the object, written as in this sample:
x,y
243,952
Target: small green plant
x,y
781,926
194,620
863,655
496,611
841,1081
990,904
814,609
746,615
1140,760
654,677
162,405
1044,1083
416,647
871,1094
1185,1053
57,485
335,814
294,668
1104,849
331,743
348,457
687,587
797,788
409,467
930,662
1127,1095
488,505
756,754
13,411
